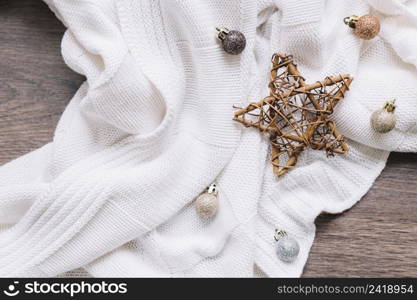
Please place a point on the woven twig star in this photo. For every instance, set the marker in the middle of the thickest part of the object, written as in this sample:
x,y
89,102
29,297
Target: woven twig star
x,y
296,114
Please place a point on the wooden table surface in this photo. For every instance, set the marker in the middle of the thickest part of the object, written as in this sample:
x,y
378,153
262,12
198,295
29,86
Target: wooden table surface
x,y
377,237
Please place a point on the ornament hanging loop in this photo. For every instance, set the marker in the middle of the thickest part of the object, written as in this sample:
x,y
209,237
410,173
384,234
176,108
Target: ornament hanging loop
x,y
222,33
279,233
212,189
389,105
351,21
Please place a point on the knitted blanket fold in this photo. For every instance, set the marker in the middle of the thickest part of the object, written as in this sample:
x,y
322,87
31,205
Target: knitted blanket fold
x,y
112,194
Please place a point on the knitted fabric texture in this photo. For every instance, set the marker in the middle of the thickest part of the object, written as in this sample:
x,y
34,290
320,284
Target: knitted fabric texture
x,y
151,128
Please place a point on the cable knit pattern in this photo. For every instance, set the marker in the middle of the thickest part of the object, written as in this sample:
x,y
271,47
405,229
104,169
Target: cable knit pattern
x,y
113,193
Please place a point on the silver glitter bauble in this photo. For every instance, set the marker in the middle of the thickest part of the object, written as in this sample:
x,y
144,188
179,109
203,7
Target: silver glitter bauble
x,y
287,249
233,41
207,205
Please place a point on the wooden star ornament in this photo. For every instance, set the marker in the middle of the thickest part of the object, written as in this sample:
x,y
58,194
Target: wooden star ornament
x,y
296,114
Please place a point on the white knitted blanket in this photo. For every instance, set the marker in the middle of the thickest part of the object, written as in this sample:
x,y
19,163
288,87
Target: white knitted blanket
x,y
151,128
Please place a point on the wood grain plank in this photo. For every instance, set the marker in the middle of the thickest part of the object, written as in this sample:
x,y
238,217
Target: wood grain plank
x,y
36,84
377,237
